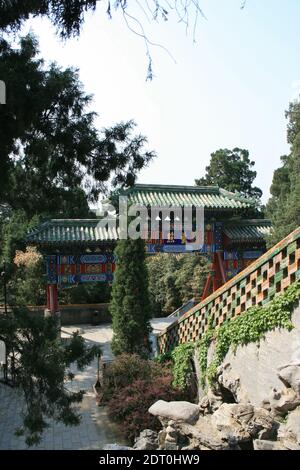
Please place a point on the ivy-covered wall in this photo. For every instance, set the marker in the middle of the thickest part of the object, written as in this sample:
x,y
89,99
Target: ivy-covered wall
x,y
249,328
253,288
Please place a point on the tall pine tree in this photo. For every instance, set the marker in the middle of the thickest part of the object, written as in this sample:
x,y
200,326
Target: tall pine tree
x,y
231,170
130,307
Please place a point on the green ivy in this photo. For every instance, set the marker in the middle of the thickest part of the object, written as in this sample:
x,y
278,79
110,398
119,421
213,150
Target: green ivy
x,y
247,328
182,364
251,327
202,348
162,358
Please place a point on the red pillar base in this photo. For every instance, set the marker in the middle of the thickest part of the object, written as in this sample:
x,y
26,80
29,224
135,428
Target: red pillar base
x,y
52,309
207,287
216,278
52,298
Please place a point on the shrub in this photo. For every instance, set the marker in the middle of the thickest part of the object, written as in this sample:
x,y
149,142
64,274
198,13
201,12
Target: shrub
x,y
129,407
127,368
131,385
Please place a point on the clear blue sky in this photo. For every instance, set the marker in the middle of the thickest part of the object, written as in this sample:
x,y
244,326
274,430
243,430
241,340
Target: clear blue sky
x,y
229,89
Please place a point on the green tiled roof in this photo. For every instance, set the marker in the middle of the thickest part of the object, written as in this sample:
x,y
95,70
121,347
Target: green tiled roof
x,y
209,197
57,231
71,230
248,230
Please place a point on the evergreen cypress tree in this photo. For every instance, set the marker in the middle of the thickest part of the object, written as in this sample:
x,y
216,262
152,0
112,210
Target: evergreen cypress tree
x,y
130,307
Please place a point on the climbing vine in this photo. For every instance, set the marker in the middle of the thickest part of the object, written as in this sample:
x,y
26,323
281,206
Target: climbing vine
x,y
202,348
247,328
251,327
182,364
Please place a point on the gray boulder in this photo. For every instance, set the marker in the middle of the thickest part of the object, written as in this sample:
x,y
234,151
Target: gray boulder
x,y
283,402
293,425
262,424
175,410
231,421
289,433
290,376
204,433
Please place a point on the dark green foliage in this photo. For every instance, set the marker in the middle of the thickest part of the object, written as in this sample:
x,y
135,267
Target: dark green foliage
x,y
89,293
182,357
232,170
173,280
162,358
41,369
14,228
129,307
284,205
25,284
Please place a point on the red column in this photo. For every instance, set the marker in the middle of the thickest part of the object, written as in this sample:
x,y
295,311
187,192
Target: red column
x,y
206,290
219,274
52,298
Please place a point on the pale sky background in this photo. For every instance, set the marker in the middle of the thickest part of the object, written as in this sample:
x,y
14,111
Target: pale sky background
x,y
230,89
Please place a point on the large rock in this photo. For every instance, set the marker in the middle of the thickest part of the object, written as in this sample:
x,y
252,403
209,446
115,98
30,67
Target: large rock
x,y
229,380
175,410
289,433
293,425
205,434
147,440
290,376
231,426
290,445
284,401
231,421
251,371
210,402
226,428
262,424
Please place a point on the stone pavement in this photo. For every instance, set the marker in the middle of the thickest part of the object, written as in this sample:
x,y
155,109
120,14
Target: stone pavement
x,y
95,429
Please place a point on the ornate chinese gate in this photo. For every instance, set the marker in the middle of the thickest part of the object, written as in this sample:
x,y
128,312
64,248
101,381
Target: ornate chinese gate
x,y
81,250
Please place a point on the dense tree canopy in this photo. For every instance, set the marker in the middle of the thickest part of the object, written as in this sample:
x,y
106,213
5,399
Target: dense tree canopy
x,y
231,170
50,148
173,280
284,205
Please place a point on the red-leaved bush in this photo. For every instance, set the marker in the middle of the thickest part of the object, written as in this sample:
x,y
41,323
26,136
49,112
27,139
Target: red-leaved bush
x,y
131,385
129,406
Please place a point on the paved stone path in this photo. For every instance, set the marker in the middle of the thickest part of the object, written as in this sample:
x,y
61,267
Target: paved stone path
x,y
95,429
